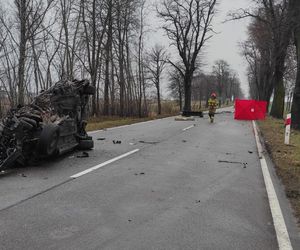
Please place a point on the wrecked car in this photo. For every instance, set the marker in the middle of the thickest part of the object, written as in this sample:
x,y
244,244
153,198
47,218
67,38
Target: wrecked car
x,y
53,124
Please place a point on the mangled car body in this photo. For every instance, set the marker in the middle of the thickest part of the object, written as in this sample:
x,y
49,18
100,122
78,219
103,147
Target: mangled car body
x,y
53,124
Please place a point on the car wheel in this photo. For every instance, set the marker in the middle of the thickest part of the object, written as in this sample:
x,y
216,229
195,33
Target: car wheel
x,y
49,139
85,144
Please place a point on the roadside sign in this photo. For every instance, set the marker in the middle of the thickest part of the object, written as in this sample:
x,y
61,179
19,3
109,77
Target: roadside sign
x,y
288,123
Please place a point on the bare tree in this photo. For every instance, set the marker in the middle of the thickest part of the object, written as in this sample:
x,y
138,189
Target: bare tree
x,y
187,24
157,61
94,20
30,16
176,87
276,18
221,72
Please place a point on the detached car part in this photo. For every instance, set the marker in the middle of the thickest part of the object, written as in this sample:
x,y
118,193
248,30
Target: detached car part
x,y
53,124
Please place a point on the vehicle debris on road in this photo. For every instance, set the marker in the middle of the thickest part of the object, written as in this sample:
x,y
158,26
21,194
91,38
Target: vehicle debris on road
x,y
245,164
149,142
83,155
53,124
117,142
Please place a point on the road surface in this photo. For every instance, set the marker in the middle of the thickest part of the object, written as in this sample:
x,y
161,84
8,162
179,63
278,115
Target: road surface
x,y
168,185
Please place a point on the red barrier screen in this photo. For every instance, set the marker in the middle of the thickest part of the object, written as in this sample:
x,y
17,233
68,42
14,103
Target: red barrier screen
x,y
250,110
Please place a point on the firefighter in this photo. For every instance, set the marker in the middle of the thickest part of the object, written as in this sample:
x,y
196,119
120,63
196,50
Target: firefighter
x,y
212,106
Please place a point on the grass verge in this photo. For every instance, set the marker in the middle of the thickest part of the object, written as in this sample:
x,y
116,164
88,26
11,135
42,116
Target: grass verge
x,y
115,121
285,157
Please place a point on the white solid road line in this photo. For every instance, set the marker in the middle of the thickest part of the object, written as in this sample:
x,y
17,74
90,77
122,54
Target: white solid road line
x,y
185,129
103,164
282,234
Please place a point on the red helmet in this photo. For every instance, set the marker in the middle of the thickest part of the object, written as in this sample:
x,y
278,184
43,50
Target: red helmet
x,y
213,95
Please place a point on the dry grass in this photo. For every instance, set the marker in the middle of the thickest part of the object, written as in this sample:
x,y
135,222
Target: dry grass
x,y
116,121
286,158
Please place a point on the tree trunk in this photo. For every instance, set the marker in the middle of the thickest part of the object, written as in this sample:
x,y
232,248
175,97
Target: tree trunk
x,y
158,99
279,95
107,60
22,51
180,95
112,95
296,98
188,92
122,83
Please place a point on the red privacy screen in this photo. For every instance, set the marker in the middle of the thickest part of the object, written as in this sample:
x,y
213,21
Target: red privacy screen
x,y
250,110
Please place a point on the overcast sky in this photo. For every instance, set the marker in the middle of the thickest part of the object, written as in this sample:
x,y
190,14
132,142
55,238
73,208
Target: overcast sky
x,y
223,45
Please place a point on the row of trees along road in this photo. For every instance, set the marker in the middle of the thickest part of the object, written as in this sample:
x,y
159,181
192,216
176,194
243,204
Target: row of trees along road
x,y
42,42
222,80
273,53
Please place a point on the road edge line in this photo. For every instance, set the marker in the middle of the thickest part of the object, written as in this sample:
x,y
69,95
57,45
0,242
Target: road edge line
x,y
89,170
283,238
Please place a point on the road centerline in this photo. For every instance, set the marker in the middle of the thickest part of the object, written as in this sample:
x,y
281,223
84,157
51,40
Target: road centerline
x,y
104,164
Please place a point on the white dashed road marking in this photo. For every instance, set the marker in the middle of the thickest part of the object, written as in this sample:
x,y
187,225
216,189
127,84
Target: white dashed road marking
x,y
185,129
104,164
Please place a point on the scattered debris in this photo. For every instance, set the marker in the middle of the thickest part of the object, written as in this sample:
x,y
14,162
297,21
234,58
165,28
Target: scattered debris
x,y
139,174
83,155
101,139
182,118
116,142
192,113
149,142
235,162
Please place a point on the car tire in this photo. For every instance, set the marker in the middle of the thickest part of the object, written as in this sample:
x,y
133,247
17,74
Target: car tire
x,y
49,140
86,144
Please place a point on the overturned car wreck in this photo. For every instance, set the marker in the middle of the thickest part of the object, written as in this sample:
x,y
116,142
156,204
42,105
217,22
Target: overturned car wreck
x,y
53,124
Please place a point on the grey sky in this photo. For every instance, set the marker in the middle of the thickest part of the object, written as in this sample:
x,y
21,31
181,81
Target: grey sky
x,y
223,45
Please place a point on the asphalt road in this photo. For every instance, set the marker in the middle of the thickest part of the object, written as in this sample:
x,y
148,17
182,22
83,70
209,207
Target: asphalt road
x,y
175,191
